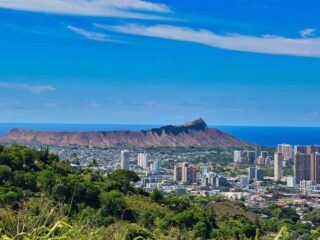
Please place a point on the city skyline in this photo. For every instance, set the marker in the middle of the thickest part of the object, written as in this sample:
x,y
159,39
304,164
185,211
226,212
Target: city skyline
x,y
158,62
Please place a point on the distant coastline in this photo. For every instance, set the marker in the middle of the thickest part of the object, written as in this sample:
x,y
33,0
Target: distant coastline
x,y
268,136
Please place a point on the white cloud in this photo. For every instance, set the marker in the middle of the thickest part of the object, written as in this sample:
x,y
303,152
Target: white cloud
x,y
92,35
28,87
309,32
97,8
268,44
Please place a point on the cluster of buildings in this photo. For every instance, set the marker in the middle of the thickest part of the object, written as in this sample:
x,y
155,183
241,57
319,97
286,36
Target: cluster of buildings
x,y
305,161
257,157
142,162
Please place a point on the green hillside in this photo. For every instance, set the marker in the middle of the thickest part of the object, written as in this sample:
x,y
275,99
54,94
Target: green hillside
x,y
44,198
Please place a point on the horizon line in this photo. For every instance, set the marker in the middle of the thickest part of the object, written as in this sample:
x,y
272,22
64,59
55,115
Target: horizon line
x,y
157,125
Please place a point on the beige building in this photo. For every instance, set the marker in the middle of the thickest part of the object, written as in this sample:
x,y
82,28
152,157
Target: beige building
x,y
286,150
315,167
185,172
278,160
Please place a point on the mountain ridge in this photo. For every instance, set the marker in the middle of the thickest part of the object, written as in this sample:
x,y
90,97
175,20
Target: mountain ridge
x,y
193,133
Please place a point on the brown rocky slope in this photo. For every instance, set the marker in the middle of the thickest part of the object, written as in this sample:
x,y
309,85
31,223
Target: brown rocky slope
x,y
195,133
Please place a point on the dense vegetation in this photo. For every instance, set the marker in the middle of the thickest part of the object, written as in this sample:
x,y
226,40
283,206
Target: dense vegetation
x,y
44,198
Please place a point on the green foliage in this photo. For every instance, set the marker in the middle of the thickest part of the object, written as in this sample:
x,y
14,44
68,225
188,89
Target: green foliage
x,y
112,203
44,198
156,195
5,173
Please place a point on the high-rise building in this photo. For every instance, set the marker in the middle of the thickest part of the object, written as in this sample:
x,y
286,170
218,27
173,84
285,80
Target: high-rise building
x,y
177,173
300,149
258,149
315,167
261,161
157,166
278,159
143,160
204,182
188,173
259,174
302,166
185,172
237,156
221,182
252,173
251,155
212,178
124,161
244,181
286,150
312,149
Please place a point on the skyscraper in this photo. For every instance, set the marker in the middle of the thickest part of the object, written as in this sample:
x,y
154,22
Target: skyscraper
x,y
259,174
286,150
188,173
124,161
143,160
157,166
278,159
177,173
302,167
300,149
315,167
252,173
251,155
258,149
237,156
244,181
312,149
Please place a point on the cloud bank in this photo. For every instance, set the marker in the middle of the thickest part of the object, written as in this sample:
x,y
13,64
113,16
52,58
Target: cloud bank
x,y
31,88
95,8
268,44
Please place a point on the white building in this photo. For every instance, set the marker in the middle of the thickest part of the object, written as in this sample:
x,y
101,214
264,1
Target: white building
x,y
124,161
286,150
306,185
291,181
237,156
244,181
278,159
143,160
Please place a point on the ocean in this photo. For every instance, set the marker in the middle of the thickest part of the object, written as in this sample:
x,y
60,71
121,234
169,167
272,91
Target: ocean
x,y
267,136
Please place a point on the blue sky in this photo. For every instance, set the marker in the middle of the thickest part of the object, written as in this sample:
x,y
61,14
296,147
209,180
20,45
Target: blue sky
x,y
158,62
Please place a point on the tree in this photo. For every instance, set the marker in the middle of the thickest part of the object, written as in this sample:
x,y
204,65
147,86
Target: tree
x,y
121,180
186,219
156,195
47,179
112,202
24,180
5,173
200,230
124,175
10,198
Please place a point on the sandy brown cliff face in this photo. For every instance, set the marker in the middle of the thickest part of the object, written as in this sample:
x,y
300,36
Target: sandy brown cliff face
x,y
195,133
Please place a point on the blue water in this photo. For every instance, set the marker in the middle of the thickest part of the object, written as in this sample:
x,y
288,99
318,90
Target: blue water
x,y
267,136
